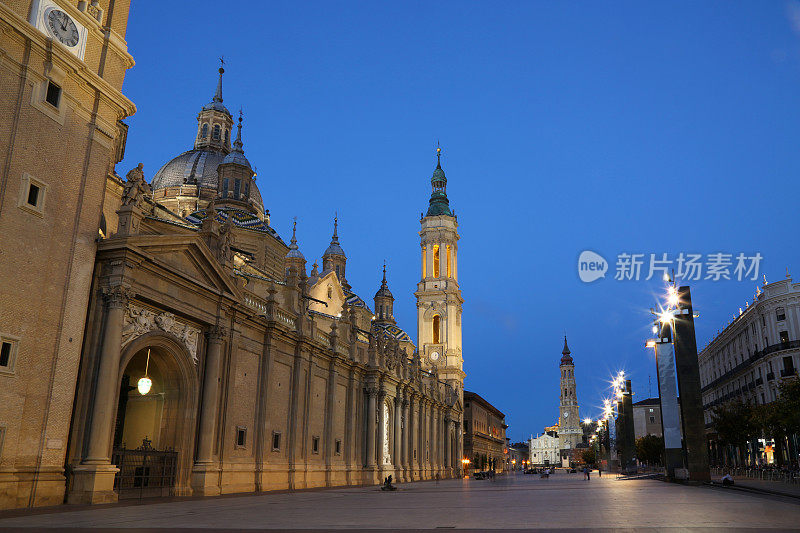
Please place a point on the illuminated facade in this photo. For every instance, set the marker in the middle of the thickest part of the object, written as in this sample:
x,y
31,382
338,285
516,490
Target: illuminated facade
x,y
570,433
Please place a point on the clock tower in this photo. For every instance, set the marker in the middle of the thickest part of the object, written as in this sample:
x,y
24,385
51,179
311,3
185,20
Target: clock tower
x,y
569,424
439,298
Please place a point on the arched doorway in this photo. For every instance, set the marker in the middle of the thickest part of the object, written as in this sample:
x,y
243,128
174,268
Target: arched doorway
x,y
153,434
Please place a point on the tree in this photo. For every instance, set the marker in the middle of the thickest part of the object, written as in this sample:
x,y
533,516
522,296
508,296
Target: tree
x,y
589,456
650,449
735,426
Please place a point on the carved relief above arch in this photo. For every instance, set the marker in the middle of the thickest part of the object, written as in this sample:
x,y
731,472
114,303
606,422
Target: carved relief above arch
x,y
435,309
139,320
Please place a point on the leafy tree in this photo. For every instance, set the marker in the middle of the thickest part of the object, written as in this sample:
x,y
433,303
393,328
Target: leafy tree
x,y
735,425
589,456
650,449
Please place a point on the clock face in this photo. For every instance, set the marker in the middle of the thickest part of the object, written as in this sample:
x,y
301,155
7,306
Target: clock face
x,y
62,27
434,356
566,414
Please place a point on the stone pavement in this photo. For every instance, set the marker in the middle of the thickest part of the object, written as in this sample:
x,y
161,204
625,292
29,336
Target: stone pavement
x,y
511,502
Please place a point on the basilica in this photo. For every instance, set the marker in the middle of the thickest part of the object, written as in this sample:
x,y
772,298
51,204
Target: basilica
x,y
203,357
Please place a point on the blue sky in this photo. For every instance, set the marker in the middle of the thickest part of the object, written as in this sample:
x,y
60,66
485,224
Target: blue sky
x,y
608,126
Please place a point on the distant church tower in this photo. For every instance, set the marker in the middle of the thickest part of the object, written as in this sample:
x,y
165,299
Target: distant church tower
x,y
569,424
439,299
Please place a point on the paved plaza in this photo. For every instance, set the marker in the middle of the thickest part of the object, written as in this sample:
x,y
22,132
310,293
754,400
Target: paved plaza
x,y
565,501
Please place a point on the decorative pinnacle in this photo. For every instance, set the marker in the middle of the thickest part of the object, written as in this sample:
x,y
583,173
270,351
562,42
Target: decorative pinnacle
x,y
237,144
438,154
294,234
335,237
218,94
384,273
566,348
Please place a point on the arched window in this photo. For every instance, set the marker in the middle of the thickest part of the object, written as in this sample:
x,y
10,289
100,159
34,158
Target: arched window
x,y
205,131
435,260
225,188
448,262
424,262
436,321
330,293
226,135
215,135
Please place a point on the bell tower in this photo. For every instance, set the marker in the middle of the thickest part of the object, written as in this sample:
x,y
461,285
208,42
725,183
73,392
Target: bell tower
x,y
569,425
439,300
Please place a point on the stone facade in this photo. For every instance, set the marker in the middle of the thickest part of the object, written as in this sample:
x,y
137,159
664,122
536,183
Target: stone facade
x,y
60,113
181,324
570,433
545,450
748,359
484,434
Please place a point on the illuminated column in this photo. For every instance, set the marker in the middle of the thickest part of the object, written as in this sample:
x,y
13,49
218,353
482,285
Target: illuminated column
x,y
116,299
208,414
398,437
371,414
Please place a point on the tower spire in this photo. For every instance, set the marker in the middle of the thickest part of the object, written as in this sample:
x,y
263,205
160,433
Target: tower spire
x,y
439,205
237,144
218,94
566,358
335,238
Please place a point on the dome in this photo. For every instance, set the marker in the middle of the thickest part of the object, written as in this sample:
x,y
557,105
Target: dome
x,y
237,158
216,106
333,249
197,167
384,292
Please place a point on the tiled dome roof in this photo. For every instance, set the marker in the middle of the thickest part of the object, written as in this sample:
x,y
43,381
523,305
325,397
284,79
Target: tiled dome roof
x,y
391,331
241,218
197,167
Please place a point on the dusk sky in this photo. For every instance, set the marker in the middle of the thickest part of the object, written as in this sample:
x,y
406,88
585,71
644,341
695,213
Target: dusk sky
x,y
607,126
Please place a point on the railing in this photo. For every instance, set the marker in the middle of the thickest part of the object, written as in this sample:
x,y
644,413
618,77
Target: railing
x,y
750,360
764,474
145,472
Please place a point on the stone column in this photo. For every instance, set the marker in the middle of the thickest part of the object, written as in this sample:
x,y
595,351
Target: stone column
x,y
372,394
330,404
205,474
93,480
398,436
381,424
448,447
406,437
208,414
350,424
116,299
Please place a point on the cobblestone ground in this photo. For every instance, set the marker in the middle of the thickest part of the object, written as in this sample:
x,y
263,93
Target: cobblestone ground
x,y
565,501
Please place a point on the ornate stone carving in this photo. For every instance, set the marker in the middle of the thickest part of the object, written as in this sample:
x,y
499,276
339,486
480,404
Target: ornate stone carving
x,y
118,296
216,333
135,187
140,320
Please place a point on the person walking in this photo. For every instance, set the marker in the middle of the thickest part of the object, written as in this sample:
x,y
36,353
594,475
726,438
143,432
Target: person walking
x,y
588,473
585,475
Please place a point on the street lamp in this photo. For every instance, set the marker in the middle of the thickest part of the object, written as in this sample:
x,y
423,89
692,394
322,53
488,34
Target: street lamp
x,y
145,382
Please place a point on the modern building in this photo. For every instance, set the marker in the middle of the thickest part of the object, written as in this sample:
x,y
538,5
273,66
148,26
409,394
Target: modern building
x,y
570,432
172,321
545,449
484,433
749,358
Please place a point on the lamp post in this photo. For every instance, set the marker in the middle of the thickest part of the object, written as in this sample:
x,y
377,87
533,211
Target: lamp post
x,y
676,360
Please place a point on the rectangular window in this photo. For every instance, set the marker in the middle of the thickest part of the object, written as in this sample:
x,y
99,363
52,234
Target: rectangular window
x,y
652,419
314,444
435,260
448,261
276,441
225,188
424,262
784,336
33,195
8,354
337,447
780,314
237,187
53,95
241,436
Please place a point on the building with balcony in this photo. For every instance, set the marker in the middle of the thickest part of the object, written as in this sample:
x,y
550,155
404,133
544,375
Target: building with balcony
x,y
484,434
749,358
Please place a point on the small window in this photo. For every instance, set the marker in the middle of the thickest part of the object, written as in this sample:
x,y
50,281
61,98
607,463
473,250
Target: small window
x,y
780,314
33,195
237,187
53,95
652,419
276,441
241,436
314,444
8,354
784,337
338,447
205,131
215,135
226,135
225,188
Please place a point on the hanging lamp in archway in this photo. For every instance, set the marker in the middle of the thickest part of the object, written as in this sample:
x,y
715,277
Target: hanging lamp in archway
x,y
145,382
